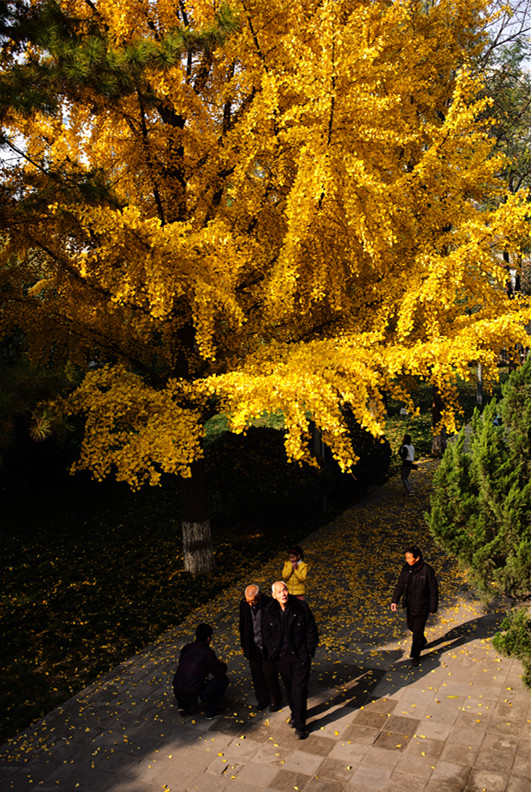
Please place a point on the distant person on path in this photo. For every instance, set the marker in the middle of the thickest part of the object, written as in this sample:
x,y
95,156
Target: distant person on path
x,y
417,586
407,455
295,571
264,672
291,638
200,675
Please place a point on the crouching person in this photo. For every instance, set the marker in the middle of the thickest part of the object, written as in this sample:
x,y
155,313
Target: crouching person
x,y
200,675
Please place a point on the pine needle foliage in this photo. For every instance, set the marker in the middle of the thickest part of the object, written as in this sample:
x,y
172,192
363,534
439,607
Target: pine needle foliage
x,y
515,641
481,507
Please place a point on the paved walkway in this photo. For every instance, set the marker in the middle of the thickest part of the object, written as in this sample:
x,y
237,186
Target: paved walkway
x,y
458,722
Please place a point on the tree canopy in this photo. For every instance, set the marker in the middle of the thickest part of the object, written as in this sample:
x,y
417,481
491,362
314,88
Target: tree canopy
x,y
250,207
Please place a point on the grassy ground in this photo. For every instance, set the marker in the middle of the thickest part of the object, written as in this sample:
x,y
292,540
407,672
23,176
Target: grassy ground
x,y
92,573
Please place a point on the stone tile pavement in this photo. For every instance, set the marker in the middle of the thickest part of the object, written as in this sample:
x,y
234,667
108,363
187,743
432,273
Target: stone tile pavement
x,y
458,723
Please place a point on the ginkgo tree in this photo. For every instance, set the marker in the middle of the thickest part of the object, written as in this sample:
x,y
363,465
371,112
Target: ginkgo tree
x,y
250,207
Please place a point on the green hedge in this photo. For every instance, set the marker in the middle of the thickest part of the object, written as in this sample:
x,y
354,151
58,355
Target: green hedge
x,y
515,640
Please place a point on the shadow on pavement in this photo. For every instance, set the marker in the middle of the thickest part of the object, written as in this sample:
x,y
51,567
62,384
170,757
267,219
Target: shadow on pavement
x,y
474,629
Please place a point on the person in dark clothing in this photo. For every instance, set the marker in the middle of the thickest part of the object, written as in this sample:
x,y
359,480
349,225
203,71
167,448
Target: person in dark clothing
x,y
264,672
417,586
200,675
291,638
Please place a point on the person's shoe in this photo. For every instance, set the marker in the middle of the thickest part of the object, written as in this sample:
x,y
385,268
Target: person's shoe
x,y
261,707
212,715
275,707
415,661
291,723
301,734
184,711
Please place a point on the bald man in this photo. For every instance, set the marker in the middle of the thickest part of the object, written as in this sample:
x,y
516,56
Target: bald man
x,y
291,638
263,671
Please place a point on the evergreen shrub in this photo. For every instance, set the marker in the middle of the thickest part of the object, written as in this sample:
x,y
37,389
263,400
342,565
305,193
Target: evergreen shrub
x,y
481,506
515,640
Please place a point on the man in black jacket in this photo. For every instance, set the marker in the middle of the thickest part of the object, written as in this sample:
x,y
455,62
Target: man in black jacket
x,y
264,672
200,675
291,638
417,585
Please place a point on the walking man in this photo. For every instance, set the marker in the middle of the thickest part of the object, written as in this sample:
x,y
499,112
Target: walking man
x,y
264,672
417,586
291,638
200,675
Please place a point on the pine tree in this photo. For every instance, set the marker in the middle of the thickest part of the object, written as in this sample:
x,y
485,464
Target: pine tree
x,y
454,500
481,508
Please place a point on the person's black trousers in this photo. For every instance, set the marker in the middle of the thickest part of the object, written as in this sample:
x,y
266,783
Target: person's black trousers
x,y
416,624
210,694
264,674
295,676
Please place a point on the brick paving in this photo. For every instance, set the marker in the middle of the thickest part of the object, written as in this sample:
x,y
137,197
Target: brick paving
x,y
458,723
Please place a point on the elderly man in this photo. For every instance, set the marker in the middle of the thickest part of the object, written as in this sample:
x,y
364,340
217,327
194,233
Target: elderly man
x,y
291,638
263,671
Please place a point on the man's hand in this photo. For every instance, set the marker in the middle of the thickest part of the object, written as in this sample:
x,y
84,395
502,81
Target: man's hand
x,y
393,606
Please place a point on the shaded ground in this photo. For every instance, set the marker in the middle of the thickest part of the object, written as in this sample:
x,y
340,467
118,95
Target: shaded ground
x,y
91,573
458,722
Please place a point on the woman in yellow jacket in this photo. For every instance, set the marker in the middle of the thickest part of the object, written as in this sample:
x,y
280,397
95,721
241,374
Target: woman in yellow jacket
x,y
294,572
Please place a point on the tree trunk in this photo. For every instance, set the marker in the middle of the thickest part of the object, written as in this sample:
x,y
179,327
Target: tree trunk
x,y
479,385
197,537
197,546
439,440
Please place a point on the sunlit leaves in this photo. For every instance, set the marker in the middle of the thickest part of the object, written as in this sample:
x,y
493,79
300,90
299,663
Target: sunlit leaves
x,y
133,430
293,212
